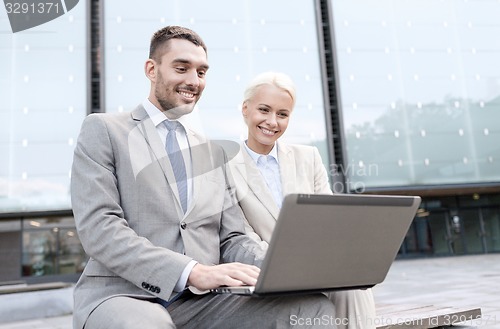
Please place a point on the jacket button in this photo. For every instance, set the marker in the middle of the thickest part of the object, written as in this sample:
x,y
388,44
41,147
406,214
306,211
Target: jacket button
x,y
183,225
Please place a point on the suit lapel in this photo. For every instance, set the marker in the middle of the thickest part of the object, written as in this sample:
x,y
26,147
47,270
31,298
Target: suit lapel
x,y
288,170
248,169
150,134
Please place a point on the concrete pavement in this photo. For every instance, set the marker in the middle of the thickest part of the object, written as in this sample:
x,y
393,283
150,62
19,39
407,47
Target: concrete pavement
x,y
459,281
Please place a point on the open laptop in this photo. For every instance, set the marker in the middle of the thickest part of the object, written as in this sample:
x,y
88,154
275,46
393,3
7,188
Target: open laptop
x,y
332,242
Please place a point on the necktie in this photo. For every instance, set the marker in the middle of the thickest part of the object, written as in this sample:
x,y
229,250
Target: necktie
x,y
177,161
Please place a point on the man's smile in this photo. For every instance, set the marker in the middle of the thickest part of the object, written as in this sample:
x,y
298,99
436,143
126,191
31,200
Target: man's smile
x,y
189,95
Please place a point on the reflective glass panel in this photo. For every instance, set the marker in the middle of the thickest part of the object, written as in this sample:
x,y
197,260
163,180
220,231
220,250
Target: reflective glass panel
x,y
43,99
420,90
491,218
51,246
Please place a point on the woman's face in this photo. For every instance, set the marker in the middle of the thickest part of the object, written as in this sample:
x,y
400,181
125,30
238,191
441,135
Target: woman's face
x,y
266,115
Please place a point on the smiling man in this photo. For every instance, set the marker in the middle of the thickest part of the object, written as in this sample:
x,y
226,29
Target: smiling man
x,y
161,226
177,71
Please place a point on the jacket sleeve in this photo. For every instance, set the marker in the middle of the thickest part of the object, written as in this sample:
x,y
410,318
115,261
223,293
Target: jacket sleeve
x,y
321,183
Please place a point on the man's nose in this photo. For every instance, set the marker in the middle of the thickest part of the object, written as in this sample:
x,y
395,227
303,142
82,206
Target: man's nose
x,y
192,79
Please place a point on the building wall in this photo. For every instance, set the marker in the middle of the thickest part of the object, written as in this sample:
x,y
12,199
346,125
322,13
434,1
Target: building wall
x,y
10,256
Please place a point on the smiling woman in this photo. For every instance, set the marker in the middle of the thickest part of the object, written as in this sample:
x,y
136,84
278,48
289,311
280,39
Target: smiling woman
x,y
265,170
267,107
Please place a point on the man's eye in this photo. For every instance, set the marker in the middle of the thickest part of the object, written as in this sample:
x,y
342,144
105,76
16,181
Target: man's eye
x,y
201,74
181,69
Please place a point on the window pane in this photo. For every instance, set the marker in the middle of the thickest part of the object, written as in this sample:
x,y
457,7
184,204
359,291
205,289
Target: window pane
x,y
51,246
42,104
420,89
491,217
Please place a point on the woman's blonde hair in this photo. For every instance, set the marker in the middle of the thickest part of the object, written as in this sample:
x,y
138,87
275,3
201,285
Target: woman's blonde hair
x,y
277,79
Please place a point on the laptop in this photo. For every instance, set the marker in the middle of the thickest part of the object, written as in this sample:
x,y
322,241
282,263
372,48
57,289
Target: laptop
x,y
332,242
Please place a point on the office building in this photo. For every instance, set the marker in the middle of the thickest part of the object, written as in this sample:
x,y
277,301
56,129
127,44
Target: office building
x,y
400,97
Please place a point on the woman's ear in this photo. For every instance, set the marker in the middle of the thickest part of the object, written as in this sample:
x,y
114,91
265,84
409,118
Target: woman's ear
x,y
244,109
150,69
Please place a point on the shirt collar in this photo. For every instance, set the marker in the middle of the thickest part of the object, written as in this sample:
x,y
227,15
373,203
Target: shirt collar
x,y
255,156
158,116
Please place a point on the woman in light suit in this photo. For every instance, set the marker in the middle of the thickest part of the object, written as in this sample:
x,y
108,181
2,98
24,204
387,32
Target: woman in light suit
x,y
266,169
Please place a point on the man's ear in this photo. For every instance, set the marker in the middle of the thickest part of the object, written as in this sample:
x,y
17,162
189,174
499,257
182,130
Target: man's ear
x,y
150,69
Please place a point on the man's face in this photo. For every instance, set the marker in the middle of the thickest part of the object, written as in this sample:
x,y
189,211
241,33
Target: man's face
x,y
179,79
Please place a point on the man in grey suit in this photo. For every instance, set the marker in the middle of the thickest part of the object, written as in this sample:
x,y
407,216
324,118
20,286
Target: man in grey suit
x,y
157,243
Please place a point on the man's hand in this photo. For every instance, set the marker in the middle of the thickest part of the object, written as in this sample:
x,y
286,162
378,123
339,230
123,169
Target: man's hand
x,y
206,277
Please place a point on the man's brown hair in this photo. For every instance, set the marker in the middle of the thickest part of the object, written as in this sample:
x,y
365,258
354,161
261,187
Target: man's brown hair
x,y
160,38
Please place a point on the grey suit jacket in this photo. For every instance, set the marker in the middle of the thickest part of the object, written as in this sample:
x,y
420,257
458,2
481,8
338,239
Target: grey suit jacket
x,y
301,170
129,218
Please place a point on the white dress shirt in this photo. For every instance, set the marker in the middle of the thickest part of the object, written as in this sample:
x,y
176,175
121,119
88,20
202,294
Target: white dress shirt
x,y
269,167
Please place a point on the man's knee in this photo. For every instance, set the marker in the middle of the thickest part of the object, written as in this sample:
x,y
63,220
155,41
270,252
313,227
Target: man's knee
x,y
129,313
312,311
317,305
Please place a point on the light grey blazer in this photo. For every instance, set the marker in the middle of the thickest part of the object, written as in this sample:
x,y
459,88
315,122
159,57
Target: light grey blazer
x,y
128,215
301,171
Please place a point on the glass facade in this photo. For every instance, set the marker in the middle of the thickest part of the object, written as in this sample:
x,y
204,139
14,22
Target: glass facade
x,y
244,38
38,247
43,100
51,247
455,225
420,91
